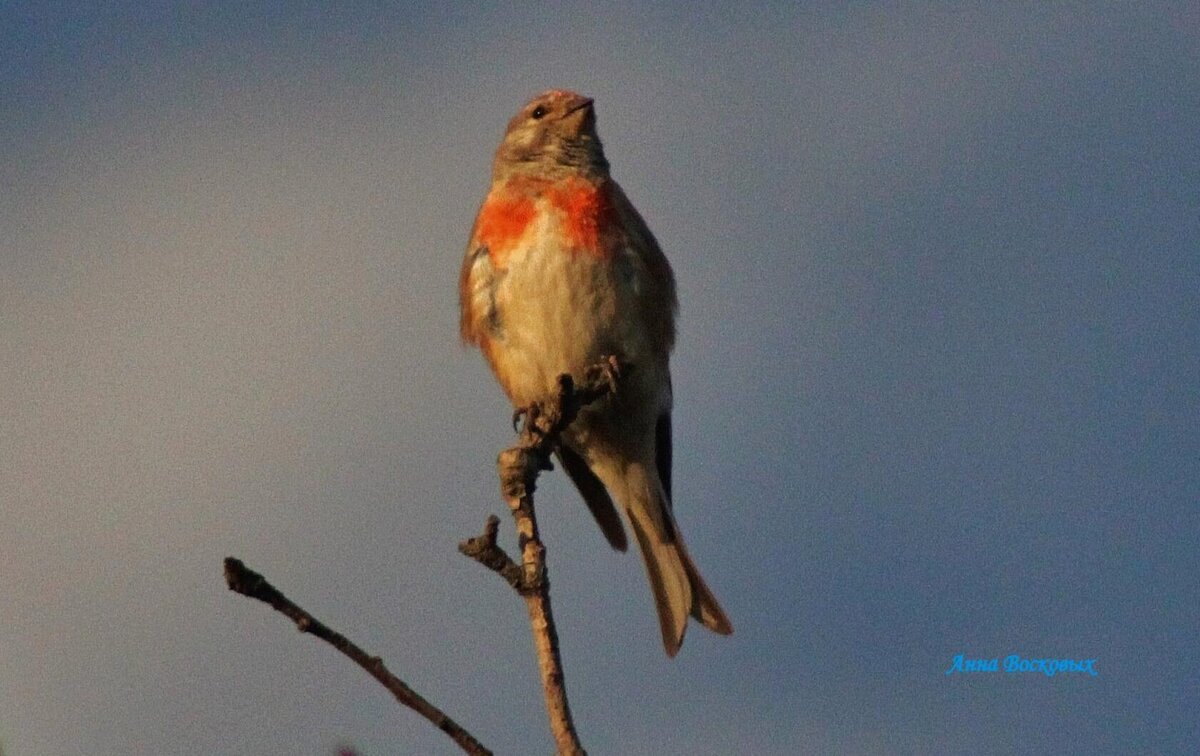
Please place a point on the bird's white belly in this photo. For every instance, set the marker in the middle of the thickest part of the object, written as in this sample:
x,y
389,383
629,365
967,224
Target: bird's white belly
x,y
559,312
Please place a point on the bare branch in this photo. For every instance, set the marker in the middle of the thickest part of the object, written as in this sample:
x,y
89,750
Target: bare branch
x,y
518,468
247,582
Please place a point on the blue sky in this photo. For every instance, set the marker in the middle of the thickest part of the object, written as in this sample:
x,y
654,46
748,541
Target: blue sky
x,y
936,379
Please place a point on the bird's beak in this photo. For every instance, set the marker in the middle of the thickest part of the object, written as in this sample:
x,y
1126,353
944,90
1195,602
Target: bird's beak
x,y
580,118
579,103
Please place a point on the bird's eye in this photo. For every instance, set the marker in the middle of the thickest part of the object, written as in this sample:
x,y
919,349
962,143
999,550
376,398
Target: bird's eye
x,y
538,113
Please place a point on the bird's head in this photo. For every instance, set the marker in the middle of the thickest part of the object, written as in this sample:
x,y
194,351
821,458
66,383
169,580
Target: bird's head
x,y
554,133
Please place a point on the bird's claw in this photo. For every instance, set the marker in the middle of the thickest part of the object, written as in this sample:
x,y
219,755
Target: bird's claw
x,y
529,414
610,370
518,414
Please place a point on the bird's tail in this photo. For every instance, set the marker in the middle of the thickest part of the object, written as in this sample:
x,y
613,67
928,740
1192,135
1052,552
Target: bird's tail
x,y
678,588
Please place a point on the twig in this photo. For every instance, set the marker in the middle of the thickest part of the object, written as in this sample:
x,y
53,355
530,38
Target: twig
x,y
247,582
518,468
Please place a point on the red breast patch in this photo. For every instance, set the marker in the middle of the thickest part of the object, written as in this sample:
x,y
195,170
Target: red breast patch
x,y
502,222
585,211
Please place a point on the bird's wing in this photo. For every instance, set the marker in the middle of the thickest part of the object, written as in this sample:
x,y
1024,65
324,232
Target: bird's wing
x,y
595,495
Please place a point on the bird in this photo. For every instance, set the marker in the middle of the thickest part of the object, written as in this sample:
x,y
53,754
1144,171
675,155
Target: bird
x,y
561,272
